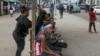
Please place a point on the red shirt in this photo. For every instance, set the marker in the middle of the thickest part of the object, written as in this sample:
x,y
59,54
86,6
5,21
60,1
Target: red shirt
x,y
92,15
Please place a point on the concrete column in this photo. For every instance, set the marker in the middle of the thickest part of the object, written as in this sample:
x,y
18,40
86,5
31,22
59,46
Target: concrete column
x,y
87,2
95,2
98,2
0,7
2,12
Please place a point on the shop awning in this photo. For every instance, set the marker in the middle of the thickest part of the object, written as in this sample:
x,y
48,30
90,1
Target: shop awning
x,y
11,0
14,0
6,0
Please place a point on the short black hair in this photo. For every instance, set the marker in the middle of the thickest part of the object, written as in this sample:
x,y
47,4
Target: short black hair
x,y
24,9
91,9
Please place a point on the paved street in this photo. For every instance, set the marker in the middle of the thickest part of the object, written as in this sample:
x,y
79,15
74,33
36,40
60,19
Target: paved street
x,y
85,16
7,44
74,31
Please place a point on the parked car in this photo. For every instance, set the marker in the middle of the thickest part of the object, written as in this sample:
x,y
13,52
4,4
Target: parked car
x,y
97,9
76,9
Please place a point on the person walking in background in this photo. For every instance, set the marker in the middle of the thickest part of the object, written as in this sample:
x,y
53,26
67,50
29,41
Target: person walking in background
x,y
71,9
92,20
21,30
67,8
52,10
61,10
86,8
11,11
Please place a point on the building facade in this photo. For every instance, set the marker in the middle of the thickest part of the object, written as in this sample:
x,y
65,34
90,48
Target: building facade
x,y
4,4
94,2
73,1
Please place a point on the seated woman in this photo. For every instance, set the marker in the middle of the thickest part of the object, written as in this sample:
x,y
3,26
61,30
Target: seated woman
x,y
54,27
53,22
39,20
45,22
40,45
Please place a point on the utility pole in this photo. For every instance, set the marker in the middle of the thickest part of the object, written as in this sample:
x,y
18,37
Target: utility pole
x,y
33,23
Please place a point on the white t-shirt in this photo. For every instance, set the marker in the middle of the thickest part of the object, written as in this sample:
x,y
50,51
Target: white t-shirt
x,y
11,11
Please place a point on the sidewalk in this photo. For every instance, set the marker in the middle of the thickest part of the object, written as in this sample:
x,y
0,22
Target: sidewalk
x,y
74,31
7,43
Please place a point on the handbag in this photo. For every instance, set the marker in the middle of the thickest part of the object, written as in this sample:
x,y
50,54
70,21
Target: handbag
x,y
61,43
37,48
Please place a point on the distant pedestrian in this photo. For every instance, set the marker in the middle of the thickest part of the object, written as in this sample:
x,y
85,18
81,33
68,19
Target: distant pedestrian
x,y
71,9
92,20
21,30
61,10
52,10
68,8
11,11
87,8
